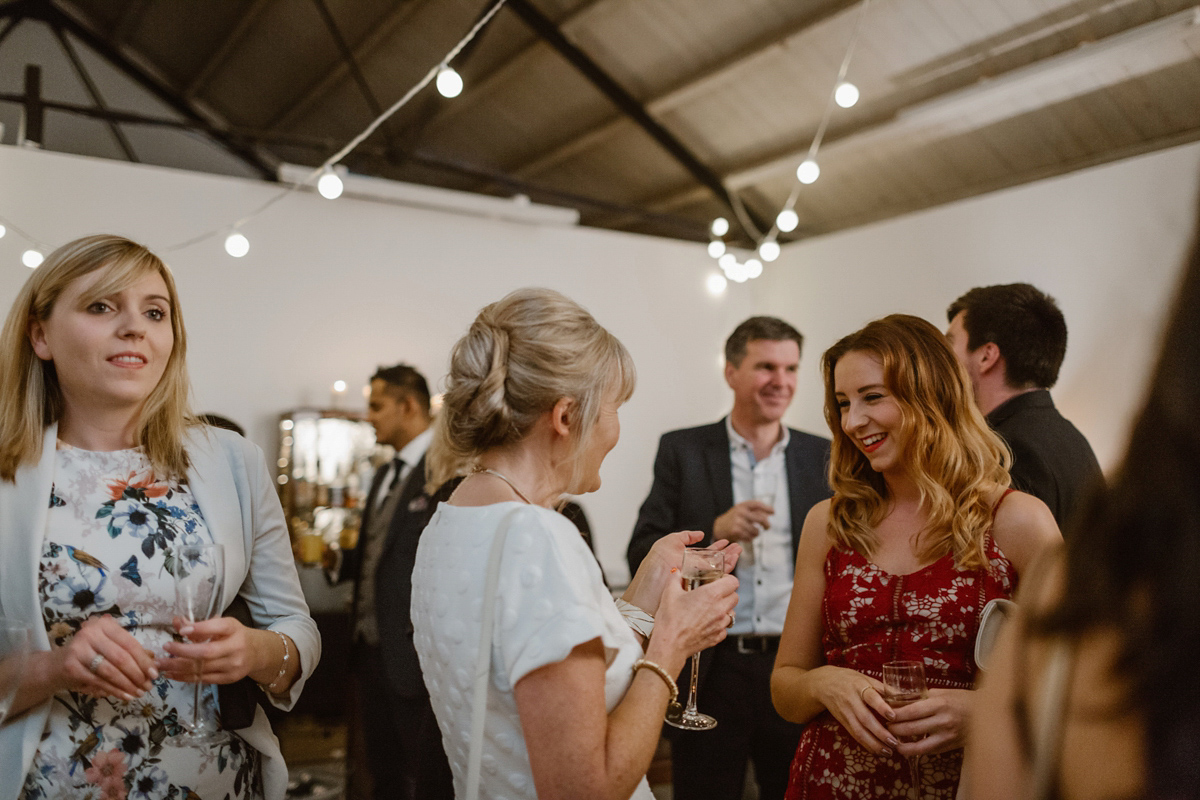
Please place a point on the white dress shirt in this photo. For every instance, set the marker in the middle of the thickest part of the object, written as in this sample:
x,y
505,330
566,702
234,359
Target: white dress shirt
x,y
765,578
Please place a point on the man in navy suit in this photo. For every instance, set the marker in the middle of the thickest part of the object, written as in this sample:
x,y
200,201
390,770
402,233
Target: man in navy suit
x,y
750,479
401,737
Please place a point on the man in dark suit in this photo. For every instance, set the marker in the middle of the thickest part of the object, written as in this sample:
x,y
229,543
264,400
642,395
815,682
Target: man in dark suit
x,y
749,479
401,737
1012,339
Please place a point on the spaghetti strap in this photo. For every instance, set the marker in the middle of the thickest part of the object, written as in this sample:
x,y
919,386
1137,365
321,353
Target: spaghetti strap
x,y
996,507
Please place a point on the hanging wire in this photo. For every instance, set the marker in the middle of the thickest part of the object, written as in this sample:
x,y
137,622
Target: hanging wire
x,y
829,106
353,143
35,242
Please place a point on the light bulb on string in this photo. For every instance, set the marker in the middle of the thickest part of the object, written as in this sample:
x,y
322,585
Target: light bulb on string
x,y
787,220
716,283
753,267
330,185
719,227
32,258
3,230
768,250
846,94
716,248
808,171
727,262
738,273
237,245
449,82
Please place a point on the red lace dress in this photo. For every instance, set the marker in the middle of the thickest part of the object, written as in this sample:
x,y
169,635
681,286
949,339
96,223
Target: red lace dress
x,y
872,617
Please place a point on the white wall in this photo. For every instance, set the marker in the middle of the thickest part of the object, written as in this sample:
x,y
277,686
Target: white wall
x,y
330,290
1106,242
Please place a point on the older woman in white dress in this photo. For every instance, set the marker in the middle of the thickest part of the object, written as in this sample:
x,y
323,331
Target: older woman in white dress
x,y
575,696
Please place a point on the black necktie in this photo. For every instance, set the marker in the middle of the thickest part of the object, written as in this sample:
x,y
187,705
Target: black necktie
x,y
397,466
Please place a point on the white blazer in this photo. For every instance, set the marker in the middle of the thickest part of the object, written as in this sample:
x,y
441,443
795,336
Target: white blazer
x,y
230,482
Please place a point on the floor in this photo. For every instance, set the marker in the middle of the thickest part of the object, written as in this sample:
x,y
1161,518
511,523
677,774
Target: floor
x,y
315,751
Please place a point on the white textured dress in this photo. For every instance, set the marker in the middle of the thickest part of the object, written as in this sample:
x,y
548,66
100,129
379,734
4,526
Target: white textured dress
x,y
550,598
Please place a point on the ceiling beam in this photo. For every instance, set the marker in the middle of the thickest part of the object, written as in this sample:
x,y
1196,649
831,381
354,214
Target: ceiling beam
x,y
219,58
978,96
94,92
380,33
761,47
624,101
52,14
130,17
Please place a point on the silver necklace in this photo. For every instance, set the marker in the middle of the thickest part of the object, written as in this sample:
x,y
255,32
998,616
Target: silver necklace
x,y
511,485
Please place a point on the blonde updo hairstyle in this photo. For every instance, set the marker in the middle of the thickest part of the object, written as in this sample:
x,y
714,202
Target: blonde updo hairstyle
x,y
521,356
30,396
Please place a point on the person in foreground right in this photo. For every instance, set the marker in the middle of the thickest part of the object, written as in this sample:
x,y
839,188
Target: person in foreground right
x,y
920,534
1111,626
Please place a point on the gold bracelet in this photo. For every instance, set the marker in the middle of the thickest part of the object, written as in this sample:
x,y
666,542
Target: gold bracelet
x,y
269,688
662,673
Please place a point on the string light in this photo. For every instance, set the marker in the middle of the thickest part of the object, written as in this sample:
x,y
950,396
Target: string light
x,y
715,283
808,171
449,82
339,386
237,245
846,94
330,185
716,248
843,93
3,230
32,258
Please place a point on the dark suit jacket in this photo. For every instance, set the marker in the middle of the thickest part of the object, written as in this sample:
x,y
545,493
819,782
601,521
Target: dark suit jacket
x,y
1051,459
693,485
393,578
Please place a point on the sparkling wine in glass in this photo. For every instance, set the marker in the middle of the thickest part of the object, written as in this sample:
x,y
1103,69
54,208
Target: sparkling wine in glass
x,y
199,571
904,683
14,651
699,567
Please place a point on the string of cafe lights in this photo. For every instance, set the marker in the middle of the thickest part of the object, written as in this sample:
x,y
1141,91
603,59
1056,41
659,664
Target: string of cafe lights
x,y
843,95
327,176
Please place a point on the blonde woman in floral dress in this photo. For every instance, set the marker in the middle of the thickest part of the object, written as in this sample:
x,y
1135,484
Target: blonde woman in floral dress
x,y
104,474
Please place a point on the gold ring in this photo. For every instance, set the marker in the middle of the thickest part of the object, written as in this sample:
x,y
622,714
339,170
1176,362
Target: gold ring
x,y
863,692
732,619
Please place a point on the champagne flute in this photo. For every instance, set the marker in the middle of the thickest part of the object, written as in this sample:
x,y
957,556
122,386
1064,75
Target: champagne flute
x,y
904,683
199,571
14,650
699,567
766,496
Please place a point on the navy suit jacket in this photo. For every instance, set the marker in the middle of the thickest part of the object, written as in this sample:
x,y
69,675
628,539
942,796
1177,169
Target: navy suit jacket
x,y
693,485
393,578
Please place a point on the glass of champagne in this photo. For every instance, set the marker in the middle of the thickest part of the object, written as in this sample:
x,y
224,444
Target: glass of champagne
x,y
699,567
904,683
14,650
199,571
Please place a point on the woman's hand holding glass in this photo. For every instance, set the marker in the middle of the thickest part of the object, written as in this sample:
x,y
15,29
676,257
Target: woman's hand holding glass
x,y
655,573
690,621
934,724
226,650
856,701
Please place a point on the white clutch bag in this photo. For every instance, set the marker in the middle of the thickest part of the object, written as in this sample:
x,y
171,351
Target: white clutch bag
x,y
995,614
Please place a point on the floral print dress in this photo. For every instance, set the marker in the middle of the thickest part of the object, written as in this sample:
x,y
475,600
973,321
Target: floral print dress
x,y
108,549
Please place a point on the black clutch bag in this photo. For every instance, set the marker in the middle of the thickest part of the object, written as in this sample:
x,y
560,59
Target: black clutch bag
x,y
238,700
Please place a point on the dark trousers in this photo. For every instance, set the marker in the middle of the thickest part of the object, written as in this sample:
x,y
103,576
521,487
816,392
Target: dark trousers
x,y
735,688
401,737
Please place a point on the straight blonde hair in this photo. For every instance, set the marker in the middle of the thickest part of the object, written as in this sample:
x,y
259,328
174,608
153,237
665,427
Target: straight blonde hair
x,y
520,356
30,396
955,459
